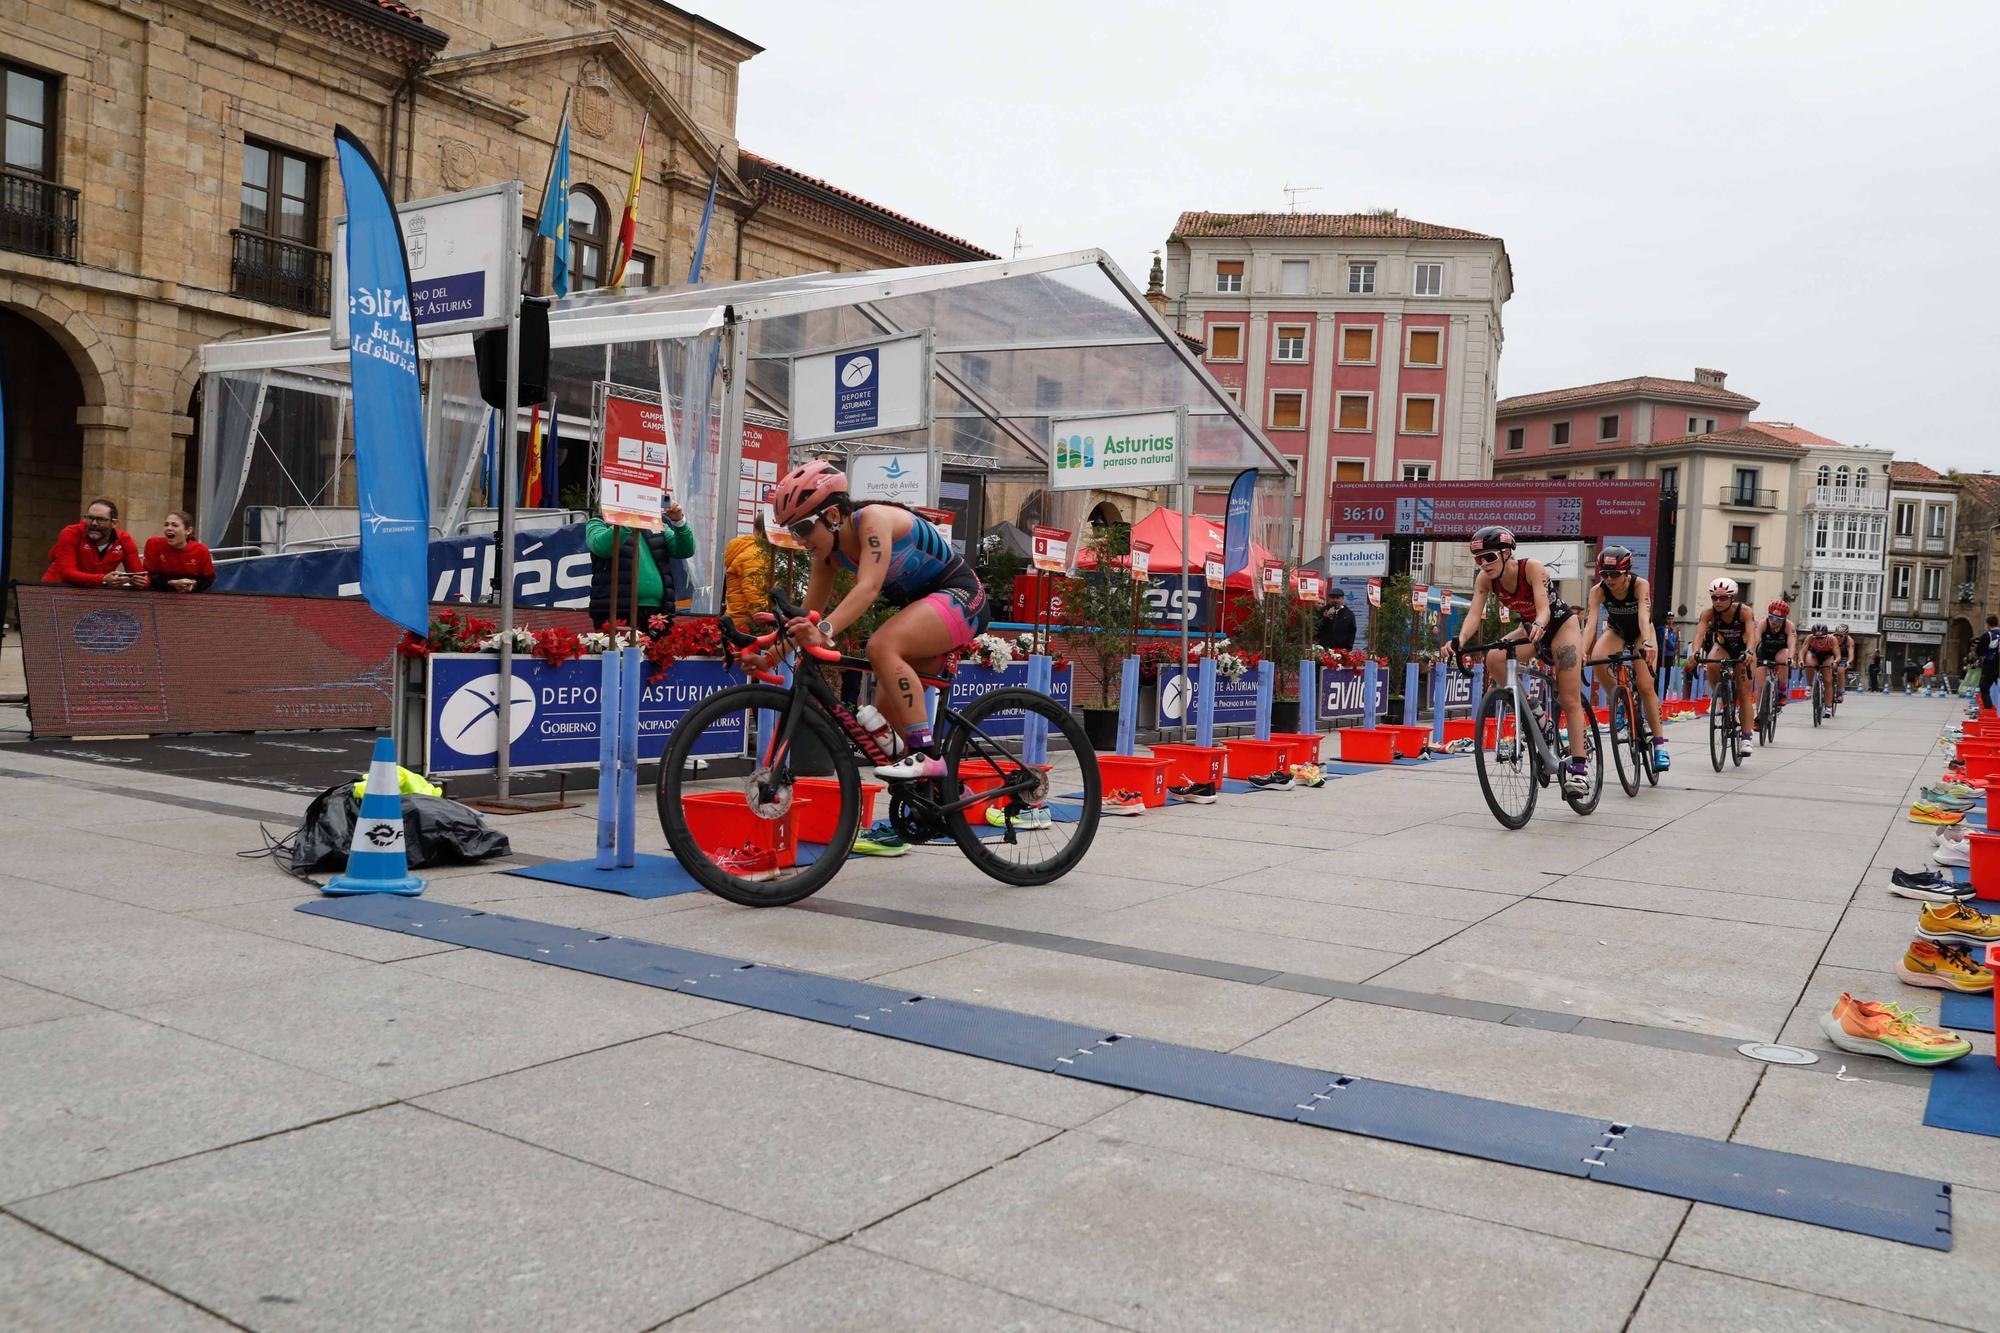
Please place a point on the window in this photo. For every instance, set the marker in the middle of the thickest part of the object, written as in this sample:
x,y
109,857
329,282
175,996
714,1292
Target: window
x,y
1861,479
1229,275
1420,414
1426,348
1416,472
1742,544
1558,476
1225,342
1559,435
1288,410
1295,277
1048,391
1357,345
1291,343
1840,478
1824,476
1933,582
1360,279
586,239
280,193
1607,474
1517,438
1354,411
1906,519
31,122
1349,469
1670,480
1234,395
1743,490
1971,569
1934,520
639,270
1701,425
1899,583
1427,280
1607,426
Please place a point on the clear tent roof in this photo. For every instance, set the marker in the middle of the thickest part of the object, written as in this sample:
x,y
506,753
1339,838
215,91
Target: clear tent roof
x,y
1015,342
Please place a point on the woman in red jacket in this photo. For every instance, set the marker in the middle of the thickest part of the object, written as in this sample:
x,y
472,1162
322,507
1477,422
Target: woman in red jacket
x,y
177,562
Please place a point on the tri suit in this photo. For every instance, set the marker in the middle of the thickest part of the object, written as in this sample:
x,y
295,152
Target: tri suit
x,y
1521,602
924,568
1770,643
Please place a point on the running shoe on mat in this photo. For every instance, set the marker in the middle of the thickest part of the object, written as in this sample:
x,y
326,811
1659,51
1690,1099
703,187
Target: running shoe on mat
x,y
1194,793
1964,791
1945,800
749,861
1278,781
1958,922
1022,817
881,840
1308,775
1957,853
1124,801
1925,812
1949,834
1927,886
1865,1027
1944,967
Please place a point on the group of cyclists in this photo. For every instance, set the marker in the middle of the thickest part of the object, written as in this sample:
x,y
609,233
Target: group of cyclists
x,y
1618,617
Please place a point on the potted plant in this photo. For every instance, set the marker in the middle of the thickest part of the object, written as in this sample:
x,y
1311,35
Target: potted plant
x,y
1397,636
1277,629
1099,630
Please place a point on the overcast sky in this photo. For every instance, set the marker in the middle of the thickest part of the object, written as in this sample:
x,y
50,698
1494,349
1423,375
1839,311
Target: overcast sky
x,y
1802,195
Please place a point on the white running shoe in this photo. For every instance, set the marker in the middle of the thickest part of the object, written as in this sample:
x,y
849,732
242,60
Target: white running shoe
x,y
1954,854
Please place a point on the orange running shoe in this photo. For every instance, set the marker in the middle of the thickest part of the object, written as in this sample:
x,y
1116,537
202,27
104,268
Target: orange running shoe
x,y
1864,1027
1958,922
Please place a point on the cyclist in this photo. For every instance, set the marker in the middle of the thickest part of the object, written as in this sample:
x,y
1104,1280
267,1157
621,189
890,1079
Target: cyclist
x,y
898,556
1822,652
1548,625
1722,635
1777,643
1842,637
1627,603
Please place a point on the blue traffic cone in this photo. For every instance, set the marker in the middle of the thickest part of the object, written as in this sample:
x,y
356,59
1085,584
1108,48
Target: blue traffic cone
x,y
376,861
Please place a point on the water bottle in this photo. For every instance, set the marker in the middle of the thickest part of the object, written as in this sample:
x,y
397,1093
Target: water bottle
x,y
878,729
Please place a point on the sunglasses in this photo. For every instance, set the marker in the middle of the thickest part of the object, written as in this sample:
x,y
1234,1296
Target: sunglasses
x,y
803,528
1486,557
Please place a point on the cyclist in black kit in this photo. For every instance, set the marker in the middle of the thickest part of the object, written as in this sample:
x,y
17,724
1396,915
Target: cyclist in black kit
x,y
1626,601
1777,645
1722,635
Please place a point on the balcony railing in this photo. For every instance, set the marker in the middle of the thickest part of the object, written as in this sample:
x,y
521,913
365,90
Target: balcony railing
x,y
1748,497
37,217
279,272
1935,544
1845,497
1845,559
1741,553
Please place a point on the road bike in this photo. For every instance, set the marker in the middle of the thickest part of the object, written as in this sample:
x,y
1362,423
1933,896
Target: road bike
x,y
1820,710
1517,741
1725,727
802,727
1769,703
1632,752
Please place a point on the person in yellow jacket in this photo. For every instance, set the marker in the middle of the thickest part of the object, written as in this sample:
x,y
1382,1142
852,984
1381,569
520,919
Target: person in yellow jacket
x,y
746,584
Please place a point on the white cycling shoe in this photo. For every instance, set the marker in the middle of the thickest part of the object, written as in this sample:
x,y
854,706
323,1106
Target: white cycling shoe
x,y
912,767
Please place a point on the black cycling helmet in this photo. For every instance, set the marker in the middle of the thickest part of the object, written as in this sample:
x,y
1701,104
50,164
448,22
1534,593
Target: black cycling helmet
x,y
1493,537
1613,561
1819,627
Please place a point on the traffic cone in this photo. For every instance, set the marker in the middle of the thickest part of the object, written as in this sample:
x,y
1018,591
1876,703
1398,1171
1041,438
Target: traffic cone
x,y
376,861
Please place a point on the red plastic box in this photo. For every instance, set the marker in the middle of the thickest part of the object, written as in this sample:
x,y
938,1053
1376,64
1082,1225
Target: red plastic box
x,y
1362,745
1254,759
1304,745
1189,764
722,821
1410,741
1138,773
816,807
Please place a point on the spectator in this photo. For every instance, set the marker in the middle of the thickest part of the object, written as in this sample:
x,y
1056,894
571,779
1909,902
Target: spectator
x,y
93,553
1875,674
1336,624
1987,651
746,575
176,562
654,556
1930,675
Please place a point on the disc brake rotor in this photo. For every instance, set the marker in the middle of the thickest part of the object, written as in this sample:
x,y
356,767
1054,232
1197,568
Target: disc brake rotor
x,y
768,795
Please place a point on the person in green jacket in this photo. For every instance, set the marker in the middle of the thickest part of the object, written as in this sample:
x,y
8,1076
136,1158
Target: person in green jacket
x,y
654,552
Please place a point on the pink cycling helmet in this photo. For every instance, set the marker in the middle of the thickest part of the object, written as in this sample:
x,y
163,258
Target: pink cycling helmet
x,y
805,490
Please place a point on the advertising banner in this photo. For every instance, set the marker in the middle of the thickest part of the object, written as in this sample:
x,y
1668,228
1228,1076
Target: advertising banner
x,y
1163,602
461,254
901,478
1122,449
551,568
1357,560
878,388
633,479
1236,523
1340,694
1051,549
1563,560
970,681
1547,509
766,452
553,714
1235,700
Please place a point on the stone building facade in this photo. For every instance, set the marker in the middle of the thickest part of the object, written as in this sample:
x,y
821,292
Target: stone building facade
x,y
169,182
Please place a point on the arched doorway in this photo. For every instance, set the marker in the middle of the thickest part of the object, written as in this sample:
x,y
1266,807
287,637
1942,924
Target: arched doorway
x,y
44,444
1105,515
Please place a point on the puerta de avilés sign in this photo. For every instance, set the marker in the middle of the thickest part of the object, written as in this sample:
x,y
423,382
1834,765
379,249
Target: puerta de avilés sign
x,y
1121,449
461,252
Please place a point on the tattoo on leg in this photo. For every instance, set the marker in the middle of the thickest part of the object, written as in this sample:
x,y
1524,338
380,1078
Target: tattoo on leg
x,y
1566,658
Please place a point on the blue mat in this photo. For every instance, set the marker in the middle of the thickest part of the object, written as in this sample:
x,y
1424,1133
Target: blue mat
x,y
1966,1013
652,877
1965,1096
1910,1209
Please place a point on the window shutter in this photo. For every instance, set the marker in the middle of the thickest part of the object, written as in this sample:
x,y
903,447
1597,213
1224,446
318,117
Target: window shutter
x,y
1353,412
1420,415
1424,347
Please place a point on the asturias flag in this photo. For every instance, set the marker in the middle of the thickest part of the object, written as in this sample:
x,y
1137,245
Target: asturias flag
x,y
1236,524
555,212
390,474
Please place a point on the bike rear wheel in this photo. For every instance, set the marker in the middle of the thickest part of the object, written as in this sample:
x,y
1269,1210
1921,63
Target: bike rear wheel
x,y
1032,848
762,792
1721,710
1818,700
1593,754
1506,758
1767,716
1625,753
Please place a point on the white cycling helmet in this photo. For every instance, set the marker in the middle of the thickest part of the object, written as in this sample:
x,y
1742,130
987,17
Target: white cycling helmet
x,y
1722,588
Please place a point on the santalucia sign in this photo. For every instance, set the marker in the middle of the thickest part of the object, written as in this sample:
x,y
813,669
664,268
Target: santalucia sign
x,y
1131,449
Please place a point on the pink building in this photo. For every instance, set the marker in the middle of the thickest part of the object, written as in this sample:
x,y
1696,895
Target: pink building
x,y
1616,414
1366,345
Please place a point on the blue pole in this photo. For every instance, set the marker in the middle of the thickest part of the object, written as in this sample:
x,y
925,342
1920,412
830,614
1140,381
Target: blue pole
x,y
1035,729
1439,679
1309,696
1478,686
1369,678
629,694
1128,705
1204,702
1265,686
607,760
1410,694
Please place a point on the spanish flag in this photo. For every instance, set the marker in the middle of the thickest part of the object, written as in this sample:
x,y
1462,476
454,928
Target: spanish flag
x,y
531,488
628,225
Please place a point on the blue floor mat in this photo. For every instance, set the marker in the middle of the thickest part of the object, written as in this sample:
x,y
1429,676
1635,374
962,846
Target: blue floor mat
x,y
652,876
1966,1013
1965,1096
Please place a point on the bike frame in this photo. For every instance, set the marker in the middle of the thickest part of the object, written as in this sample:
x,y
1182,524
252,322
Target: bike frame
x,y
1524,708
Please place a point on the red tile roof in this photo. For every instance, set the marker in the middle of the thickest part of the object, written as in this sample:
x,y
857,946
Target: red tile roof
x,y
1754,436
1639,386
1983,488
1320,224
755,165
1785,430
1902,470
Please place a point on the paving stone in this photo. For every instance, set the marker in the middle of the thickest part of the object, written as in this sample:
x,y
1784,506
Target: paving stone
x,y
46,1284
150,957
21,1005
1688,1300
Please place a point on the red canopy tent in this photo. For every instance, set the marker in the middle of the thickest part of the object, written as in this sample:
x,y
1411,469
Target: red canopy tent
x,y
1161,529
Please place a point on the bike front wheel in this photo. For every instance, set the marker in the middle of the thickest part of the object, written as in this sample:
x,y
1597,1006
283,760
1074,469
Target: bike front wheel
x,y
1593,754
728,819
1506,758
1625,752
1818,701
1038,840
1720,710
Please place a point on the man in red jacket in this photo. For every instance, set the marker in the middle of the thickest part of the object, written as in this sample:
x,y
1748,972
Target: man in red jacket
x,y
95,554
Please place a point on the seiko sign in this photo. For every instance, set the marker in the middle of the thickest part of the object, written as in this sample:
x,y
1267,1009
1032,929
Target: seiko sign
x,y
1905,625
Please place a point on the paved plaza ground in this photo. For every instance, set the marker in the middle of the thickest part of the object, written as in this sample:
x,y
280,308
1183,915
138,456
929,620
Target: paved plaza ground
x,y
216,1111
